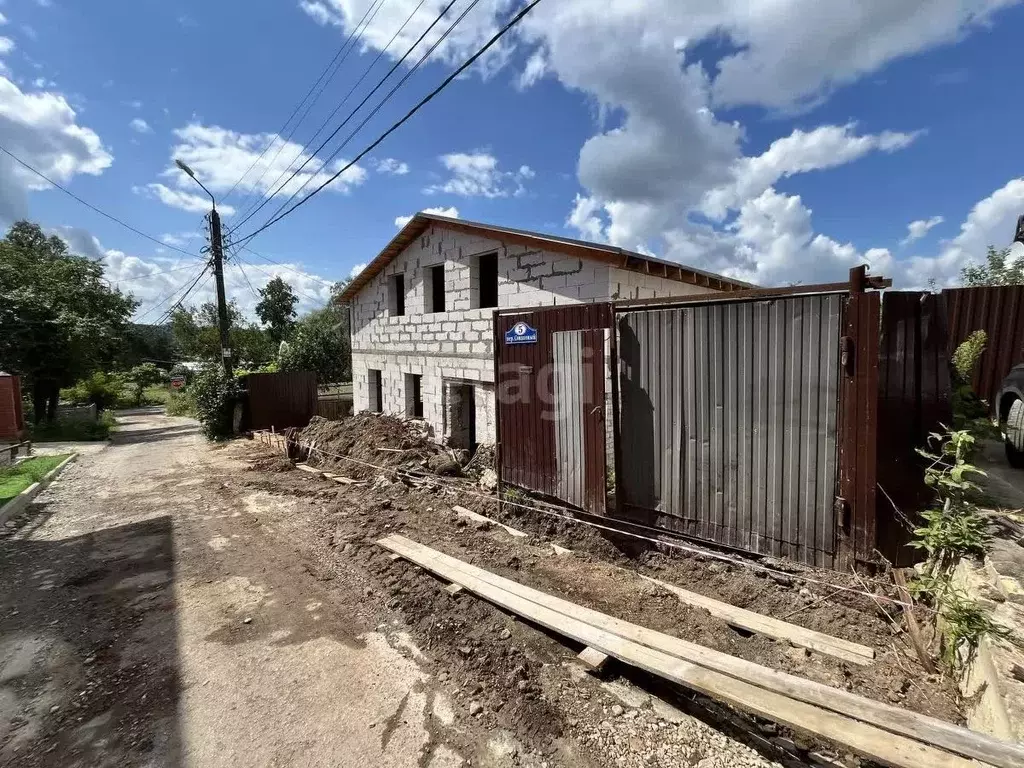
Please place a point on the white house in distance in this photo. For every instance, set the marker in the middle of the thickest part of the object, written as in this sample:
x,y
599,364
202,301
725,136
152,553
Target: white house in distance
x,y
422,312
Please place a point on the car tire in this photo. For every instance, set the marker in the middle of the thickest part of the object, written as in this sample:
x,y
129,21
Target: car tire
x,y
1014,434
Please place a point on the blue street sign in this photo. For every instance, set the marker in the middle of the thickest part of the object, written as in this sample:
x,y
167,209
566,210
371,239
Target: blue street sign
x,y
521,333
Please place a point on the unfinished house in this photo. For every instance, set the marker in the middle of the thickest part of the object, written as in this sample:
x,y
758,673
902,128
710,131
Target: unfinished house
x,y
422,312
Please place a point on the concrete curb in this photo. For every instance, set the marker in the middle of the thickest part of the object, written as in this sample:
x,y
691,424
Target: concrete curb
x,y
23,499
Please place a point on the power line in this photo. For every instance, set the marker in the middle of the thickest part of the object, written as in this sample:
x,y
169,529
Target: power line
x,y
87,204
152,274
238,264
423,102
316,300
382,102
343,52
328,283
352,114
170,295
170,310
246,214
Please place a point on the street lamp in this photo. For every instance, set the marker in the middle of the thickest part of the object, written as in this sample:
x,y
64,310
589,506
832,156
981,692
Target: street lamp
x,y
217,250
192,174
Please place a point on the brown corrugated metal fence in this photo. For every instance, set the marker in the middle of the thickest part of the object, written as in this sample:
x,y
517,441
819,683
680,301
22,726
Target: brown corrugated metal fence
x,y
729,413
527,417
913,401
999,311
280,400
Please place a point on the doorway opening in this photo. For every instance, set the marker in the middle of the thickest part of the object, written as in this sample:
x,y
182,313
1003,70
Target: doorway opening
x,y
460,415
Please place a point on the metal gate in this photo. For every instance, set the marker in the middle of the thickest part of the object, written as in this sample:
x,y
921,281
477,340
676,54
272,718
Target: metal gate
x,y
729,422
551,402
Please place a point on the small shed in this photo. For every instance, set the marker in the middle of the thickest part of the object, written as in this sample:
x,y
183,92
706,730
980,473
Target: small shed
x,y
12,420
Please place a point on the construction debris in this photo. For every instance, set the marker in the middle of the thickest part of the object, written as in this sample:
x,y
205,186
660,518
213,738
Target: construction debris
x,y
881,732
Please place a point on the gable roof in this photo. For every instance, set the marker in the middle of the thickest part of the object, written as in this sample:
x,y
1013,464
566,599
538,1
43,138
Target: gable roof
x,y
619,257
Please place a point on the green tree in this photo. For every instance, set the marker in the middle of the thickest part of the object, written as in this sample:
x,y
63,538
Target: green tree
x,y
59,319
276,309
321,344
142,376
196,336
998,269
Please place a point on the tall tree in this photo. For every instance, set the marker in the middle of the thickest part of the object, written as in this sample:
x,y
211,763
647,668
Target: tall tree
x,y
196,336
321,342
998,269
276,309
59,318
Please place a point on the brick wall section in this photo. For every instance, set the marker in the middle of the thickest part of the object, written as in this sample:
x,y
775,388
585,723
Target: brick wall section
x,y
457,344
10,408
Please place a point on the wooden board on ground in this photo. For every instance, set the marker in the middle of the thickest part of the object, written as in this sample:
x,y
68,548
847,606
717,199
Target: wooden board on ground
x,y
476,516
854,653
880,731
341,479
311,470
593,659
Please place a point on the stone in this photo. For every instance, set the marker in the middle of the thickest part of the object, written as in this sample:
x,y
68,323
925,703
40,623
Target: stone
x,y
505,634
489,480
475,708
617,710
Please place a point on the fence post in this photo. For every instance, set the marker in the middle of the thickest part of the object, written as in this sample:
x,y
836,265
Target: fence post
x,y
858,405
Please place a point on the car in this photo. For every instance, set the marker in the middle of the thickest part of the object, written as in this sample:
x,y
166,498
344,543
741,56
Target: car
x,y
1011,415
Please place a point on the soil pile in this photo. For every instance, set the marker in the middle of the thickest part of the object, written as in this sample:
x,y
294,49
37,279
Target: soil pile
x,y
366,445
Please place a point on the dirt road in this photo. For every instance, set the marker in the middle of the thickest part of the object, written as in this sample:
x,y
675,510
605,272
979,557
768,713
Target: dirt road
x,y
145,621
161,604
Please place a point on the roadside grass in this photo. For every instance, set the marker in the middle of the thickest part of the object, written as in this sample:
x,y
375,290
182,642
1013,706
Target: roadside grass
x,y
158,394
14,480
73,431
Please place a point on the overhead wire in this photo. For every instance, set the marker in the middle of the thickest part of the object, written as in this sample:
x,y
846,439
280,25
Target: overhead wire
x,y
343,52
89,205
153,307
408,115
178,303
316,300
359,106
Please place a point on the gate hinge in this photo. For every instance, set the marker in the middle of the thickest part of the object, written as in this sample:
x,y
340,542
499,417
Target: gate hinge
x,y
846,355
840,507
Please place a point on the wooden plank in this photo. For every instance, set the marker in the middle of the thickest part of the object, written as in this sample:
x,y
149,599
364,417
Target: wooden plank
x,y
453,589
593,659
311,470
844,717
854,653
476,516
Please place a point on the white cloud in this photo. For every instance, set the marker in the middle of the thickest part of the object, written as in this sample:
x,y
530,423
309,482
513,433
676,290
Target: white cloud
x,y
384,22
221,157
451,212
183,201
536,67
42,129
391,166
3,19
356,270
135,104
179,239
918,229
29,32
825,147
6,46
140,126
476,174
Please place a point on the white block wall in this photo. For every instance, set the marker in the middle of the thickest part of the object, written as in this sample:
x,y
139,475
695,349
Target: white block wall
x,y
457,344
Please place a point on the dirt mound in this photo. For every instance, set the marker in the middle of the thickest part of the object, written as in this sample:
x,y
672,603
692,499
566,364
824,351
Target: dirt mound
x,y
275,463
363,445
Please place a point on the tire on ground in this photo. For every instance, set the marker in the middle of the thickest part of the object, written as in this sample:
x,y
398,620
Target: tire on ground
x,y
1014,434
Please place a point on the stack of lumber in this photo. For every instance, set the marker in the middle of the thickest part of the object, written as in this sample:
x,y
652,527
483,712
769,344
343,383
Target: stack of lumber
x,y
881,732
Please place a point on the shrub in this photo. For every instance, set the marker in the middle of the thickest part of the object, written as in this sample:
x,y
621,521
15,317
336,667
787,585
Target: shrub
x,y
105,390
181,370
180,403
214,394
142,376
74,431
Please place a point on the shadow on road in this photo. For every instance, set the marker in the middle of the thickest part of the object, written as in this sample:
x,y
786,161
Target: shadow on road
x,y
89,647
128,436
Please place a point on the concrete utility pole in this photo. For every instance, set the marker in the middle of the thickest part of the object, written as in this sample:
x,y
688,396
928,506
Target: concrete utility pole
x,y
217,252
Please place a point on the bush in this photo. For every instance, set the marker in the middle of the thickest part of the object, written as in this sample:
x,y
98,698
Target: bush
x,y
73,431
215,394
142,376
180,403
181,370
105,390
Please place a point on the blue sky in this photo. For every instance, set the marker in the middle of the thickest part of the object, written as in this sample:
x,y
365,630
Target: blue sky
x,y
777,142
